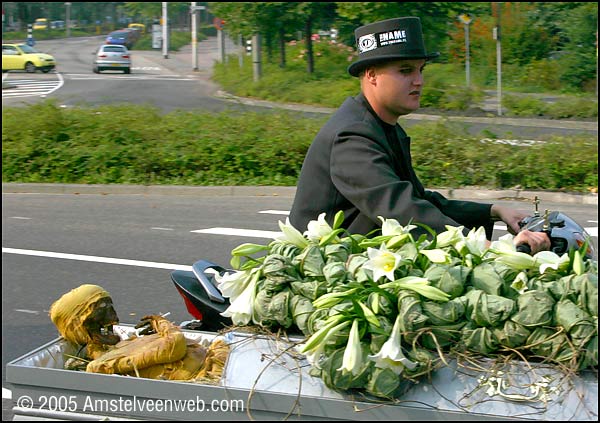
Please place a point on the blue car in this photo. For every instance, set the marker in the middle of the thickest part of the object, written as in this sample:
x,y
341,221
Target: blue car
x,y
122,37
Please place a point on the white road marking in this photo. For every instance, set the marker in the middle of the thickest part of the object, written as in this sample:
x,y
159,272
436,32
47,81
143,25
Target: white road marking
x,y
19,217
97,259
239,232
162,229
20,310
108,77
6,394
31,87
284,212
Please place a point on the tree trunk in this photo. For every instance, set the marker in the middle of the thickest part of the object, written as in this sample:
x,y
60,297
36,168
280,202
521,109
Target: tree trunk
x,y
281,48
309,50
269,43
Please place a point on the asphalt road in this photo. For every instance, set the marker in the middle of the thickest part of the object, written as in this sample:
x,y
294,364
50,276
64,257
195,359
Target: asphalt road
x,y
55,242
172,83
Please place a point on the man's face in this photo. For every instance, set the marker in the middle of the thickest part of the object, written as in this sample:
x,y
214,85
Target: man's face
x,y
398,85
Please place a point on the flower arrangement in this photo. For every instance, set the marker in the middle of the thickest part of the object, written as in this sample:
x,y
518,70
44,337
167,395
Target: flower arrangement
x,y
380,310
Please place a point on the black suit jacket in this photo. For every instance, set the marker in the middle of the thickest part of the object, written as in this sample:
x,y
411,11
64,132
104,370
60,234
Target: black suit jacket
x,y
354,166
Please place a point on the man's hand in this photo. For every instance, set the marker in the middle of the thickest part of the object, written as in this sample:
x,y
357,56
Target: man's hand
x,y
537,241
509,216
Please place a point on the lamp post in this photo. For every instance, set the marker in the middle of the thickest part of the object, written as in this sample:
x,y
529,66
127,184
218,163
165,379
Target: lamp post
x,y
466,20
496,32
165,30
68,18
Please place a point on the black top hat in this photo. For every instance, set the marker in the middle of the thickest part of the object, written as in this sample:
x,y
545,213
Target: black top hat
x,y
392,39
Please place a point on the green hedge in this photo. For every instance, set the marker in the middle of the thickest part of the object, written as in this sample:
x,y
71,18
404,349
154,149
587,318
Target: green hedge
x,y
139,145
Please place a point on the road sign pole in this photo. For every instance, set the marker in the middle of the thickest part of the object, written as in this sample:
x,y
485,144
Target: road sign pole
x,y
194,11
30,39
466,20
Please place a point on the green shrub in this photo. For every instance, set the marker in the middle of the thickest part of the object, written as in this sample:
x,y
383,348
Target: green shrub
x,y
578,107
120,144
542,74
524,106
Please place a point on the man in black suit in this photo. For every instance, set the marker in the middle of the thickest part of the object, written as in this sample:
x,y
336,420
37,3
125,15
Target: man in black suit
x,y
360,161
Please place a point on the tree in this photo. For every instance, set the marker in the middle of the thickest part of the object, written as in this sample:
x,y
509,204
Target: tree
x,y
275,20
580,28
434,17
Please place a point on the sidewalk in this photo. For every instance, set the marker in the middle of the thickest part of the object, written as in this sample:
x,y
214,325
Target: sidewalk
x,y
284,192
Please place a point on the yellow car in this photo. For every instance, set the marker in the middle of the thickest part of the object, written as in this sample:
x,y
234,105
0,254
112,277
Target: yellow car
x,y
24,57
140,27
41,23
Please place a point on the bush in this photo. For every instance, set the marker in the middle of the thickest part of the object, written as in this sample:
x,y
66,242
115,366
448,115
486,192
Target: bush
x,y
138,145
524,106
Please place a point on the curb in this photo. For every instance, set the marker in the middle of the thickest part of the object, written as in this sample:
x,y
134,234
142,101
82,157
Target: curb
x,y
279,191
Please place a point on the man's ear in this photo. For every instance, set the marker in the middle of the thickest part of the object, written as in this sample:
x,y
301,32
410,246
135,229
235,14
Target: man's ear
x,y
370,75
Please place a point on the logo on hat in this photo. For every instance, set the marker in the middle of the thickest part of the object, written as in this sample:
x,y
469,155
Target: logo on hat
x,y
392,37
367,43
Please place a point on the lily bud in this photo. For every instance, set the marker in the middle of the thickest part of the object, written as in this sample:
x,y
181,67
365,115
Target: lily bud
x,y
353,360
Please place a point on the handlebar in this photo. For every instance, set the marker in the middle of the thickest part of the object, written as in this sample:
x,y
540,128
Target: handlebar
x,y
524,248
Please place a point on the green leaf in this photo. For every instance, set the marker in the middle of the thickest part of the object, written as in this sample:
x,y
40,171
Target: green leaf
x,y
248,249
327,239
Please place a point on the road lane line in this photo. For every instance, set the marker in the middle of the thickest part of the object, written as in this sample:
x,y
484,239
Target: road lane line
x,y
239,232
284,212
20,310
97,259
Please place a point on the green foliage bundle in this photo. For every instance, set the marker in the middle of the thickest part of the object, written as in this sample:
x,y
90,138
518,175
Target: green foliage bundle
x,y
380,310
125,145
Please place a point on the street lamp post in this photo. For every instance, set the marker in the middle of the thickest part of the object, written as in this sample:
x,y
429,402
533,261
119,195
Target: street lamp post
x,y
68,18
496,33
165,30
466,20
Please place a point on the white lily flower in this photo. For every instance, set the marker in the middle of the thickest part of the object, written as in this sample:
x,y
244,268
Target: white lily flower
x,y
353,360
291,234
520,283
437,255
504,244
516,260
382,262
551,260
451,236
393,227
241,309
476,241
578,265
318,229
232,284
506,252
390,356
